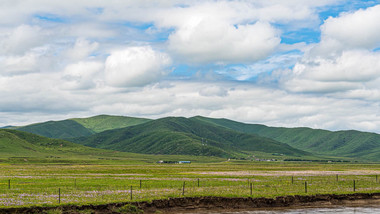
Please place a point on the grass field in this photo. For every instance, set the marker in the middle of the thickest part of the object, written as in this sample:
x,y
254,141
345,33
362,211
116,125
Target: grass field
x,y
42,184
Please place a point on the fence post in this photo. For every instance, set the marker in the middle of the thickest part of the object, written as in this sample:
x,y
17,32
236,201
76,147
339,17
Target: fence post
x,y
354,186
131,194
183,189
59,195
305,186
251,189
9,184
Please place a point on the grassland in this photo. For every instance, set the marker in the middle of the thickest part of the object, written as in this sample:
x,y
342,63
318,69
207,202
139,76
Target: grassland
x,y
39,184
36,170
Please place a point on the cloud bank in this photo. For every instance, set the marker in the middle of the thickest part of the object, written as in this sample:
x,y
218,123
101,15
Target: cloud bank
x,y
283,63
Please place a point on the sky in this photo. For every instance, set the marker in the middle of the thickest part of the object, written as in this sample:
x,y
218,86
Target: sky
x,y
293,63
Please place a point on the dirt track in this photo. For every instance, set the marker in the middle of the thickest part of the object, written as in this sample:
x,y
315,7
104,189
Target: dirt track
x,y
202,204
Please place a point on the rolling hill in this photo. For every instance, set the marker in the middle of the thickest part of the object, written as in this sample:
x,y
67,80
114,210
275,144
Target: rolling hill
x,y
351,143
80,127
178,135
57,129
18,146
225,138
14,143
102,123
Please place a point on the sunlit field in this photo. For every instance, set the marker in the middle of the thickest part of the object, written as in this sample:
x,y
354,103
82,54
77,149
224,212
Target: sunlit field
x,y
27,185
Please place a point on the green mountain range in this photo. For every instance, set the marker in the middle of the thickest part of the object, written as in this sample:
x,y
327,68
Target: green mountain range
x,y
18,146
178,135
355,144
208,137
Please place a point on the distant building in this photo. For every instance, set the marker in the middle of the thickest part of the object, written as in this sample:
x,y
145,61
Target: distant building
x,y
179,162
258,159
184,161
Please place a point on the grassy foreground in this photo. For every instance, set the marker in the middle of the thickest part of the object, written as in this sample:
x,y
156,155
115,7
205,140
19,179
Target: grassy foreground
x,y
40,184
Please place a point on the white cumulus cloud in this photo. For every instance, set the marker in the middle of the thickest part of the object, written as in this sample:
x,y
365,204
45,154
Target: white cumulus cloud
x,y
16,65
21,39
135,66
205,41
82,75
355,30
81,49
352,69
344,62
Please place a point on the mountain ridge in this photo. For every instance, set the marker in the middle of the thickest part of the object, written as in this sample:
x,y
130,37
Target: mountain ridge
x,y
24,147
79,127
179,135
346,143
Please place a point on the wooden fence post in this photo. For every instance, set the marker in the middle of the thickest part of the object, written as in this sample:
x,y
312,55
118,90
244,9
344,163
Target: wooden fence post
x,y
59,195
131,194
183,189
251,189
305,186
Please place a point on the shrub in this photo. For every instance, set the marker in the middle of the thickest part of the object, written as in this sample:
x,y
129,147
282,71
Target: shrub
x,y
129,208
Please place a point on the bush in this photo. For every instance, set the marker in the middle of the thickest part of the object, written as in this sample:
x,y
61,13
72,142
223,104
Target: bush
x,y
129,208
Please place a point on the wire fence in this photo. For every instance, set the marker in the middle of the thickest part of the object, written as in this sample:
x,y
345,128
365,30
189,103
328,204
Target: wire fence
x,y
27,191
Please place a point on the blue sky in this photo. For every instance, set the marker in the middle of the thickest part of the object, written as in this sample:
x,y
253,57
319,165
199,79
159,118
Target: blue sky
x,y
280,63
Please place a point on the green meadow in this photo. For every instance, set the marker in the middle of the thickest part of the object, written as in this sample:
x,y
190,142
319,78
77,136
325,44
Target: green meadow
x,y
107,159
53,184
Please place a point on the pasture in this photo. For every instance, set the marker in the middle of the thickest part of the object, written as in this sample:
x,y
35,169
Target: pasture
x,y
53,184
